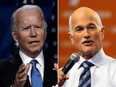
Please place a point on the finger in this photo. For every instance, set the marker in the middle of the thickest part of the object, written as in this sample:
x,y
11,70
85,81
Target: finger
x,y
22,74
21,68
22,65
27,67
56,66
60,82
60,73
67,76
23,79
62,77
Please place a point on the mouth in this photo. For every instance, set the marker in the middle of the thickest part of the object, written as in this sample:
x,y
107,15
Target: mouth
x,y
33,42
88,42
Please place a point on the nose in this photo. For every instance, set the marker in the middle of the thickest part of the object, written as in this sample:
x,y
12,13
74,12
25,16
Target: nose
x,y
33,32
86,34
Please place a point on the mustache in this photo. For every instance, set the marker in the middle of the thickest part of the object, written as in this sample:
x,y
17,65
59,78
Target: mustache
x,y
87,40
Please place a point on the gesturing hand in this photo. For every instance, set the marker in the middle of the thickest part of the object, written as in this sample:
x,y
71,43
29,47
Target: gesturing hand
x,y
61,78
21,75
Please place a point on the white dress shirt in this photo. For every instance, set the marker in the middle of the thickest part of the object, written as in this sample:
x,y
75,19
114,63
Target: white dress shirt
x,y
103,74
39,65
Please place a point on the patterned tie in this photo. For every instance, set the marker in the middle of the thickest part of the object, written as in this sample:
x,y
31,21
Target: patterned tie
x,y
36,79
85,78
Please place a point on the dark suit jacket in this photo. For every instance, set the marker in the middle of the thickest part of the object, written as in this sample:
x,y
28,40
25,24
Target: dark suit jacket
x,y
10,66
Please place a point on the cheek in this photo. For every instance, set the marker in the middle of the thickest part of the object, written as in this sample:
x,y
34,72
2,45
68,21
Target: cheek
x,y
22,40
42,35
22,37
77,40
97,38
26,33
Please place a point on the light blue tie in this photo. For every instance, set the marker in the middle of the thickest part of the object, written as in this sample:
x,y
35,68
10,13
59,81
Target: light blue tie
x,y
36,79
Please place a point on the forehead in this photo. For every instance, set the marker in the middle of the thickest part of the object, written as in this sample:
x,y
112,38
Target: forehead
x,y
83,18
28,14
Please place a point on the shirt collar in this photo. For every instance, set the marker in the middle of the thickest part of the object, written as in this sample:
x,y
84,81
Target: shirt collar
x,y
96,59
26,59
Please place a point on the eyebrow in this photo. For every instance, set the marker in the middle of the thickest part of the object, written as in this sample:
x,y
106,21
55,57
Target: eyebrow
x,y
91,24
26,26
79,27
30,25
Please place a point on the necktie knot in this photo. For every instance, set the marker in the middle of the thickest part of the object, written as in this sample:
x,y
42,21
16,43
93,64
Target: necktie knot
x,y
87,64
33,62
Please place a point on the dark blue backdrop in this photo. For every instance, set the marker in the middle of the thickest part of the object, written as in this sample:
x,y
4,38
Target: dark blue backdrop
x,y
7,45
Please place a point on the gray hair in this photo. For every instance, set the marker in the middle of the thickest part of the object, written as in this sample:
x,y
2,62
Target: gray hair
x,y
25,7
98,22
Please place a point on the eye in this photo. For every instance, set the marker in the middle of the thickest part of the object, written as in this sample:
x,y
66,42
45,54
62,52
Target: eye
x,y
38,27
79,29
92,27
25,28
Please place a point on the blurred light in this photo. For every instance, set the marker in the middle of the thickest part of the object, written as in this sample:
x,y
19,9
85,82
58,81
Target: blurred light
x,y
66,44
16,44
64,57
63,29
95,0
109,0
106,43
73,3
105,14
66,14
114,29
108,29
53,30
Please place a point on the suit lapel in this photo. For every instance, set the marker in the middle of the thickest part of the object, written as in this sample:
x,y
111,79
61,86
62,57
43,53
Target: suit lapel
x,y
50,76
14,64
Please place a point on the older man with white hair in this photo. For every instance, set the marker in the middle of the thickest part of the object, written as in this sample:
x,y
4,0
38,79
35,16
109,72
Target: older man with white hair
x,y
95,68
29,67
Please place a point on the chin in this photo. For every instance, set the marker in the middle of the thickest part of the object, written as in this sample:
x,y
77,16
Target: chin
x,y
89,49
36,50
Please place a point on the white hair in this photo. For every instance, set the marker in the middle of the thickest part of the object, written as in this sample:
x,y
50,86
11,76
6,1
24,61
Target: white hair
x,y
70,26
98,22
26,7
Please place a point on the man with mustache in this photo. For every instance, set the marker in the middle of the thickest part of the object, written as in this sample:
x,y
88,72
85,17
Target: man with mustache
x,y
95,68
29,67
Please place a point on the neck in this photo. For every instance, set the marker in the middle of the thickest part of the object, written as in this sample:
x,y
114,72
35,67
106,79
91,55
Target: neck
x,y
32,55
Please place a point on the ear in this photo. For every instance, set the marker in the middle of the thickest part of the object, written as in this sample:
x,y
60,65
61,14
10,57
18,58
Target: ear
x,y
14,34
102,32
45,34
71,38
